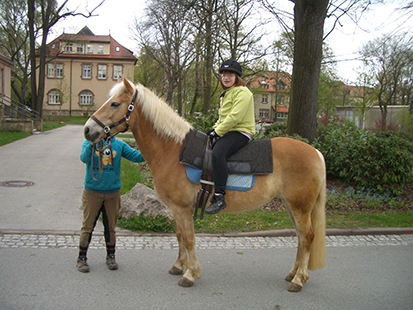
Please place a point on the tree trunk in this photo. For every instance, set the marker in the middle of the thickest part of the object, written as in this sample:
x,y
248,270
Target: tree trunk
x,y
309,16
30,13
208,64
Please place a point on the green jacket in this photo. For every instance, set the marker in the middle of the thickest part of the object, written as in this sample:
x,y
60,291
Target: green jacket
x,y
236,112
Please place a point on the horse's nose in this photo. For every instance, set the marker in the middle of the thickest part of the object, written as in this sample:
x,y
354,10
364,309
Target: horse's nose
x,y
86,131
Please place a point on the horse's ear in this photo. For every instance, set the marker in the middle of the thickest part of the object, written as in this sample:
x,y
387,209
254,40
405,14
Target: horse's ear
x,y
119,79
128,86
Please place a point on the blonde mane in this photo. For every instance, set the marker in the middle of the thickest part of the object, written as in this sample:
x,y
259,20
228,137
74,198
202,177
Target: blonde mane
x,y
166,122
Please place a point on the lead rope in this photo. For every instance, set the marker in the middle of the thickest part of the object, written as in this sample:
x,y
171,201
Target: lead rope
x,y
94,149
101,148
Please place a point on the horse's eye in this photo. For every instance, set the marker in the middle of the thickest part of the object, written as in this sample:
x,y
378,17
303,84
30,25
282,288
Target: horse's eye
x,y
115,104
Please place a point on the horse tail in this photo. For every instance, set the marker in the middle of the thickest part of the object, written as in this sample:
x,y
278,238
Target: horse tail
x,y
318,221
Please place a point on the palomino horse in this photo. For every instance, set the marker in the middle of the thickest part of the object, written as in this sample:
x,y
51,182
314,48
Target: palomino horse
x,y
299,178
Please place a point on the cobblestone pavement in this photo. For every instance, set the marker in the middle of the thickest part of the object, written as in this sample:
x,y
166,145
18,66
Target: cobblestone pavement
x,y
169,242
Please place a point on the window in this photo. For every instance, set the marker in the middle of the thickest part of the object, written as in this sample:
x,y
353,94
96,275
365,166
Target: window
x,y
1,80
90,48
69,47
117,72
264,113
86,98
55,97
264,85
280,100
282,115
349,115
117,48
59,70
86,71
53,46
340,114
54,70
80,48
264,99
100,49
102,72
50,70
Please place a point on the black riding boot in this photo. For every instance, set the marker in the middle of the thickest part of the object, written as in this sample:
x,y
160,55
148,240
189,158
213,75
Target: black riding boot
x,y
217,204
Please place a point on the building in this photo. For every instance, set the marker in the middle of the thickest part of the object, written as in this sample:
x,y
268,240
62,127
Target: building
x,y
5,75
271,95
81,69
359,105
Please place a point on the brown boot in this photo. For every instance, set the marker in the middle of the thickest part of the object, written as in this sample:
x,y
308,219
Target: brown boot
x,y
111,262
82,265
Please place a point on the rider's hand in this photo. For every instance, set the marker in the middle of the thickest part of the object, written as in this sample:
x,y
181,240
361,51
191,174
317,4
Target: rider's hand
x,y
212,135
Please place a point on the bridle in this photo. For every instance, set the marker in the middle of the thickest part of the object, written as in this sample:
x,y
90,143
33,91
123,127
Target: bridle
x,y
109,137
125,119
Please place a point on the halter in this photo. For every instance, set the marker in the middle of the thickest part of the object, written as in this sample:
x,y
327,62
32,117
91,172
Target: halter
x,y
126,117
108,138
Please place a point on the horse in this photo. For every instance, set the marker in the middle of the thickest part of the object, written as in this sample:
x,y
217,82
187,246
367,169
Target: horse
x,y
298,178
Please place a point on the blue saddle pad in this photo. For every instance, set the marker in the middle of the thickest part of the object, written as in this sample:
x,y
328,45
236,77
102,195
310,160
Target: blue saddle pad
x,y
235,182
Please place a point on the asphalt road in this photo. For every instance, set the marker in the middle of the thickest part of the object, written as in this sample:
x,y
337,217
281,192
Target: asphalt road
x,y
362,275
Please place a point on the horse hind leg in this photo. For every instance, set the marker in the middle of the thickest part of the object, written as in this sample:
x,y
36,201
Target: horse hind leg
x,y
299,273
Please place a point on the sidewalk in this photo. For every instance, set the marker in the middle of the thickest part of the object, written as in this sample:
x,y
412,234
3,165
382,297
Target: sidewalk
x,y
50,160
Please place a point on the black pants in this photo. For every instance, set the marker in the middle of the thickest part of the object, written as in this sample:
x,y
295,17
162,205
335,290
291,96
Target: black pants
x,y
227,145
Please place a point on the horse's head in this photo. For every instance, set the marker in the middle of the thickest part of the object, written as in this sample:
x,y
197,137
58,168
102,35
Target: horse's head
x,y
113,116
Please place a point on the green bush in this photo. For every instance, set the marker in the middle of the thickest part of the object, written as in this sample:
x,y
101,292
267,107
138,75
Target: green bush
x,y
275,130
204,122
380,162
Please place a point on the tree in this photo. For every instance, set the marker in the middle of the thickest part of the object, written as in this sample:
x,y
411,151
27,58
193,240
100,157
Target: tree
x,y
389,61
14,43
49,13
309,17
167,37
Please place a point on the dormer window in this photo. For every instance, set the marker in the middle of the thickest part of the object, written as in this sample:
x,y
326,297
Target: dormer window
x,y
100,49
264,85
69,47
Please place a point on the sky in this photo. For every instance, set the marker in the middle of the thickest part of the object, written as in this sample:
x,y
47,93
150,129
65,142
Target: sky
x,y
116,16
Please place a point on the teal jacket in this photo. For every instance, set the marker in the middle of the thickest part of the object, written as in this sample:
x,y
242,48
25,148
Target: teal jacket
x,y
236,112
110,179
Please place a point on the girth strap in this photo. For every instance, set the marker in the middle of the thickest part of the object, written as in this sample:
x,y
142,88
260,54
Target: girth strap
x,y
207,183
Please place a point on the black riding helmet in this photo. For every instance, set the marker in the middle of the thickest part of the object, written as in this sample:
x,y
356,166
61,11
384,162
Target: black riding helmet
x,y
232,66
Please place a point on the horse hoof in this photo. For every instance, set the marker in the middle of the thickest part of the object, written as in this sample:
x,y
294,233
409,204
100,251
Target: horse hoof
x,y
294,287
289,277
185,282
175,271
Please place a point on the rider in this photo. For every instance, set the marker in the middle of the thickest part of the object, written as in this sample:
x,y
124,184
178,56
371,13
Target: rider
x,y
102,195
233,130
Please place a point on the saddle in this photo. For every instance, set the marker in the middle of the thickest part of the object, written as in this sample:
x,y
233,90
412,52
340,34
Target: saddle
x,y
253,159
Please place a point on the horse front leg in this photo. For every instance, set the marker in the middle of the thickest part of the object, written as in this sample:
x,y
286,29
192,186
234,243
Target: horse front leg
x,y
182,262
187,255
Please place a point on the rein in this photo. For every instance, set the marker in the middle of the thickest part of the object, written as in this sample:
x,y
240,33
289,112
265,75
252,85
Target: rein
x,y
108,138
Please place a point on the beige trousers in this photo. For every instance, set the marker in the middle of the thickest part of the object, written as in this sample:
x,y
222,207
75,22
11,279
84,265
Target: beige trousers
x,y
95,203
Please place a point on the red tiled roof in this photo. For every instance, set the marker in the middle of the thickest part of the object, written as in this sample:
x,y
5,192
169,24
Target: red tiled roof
x,y
123,52
281,109
271,78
